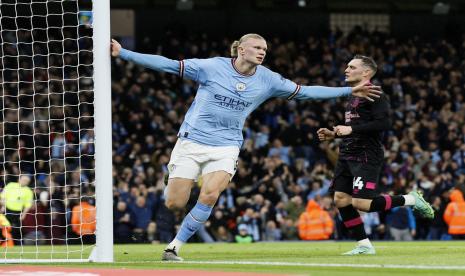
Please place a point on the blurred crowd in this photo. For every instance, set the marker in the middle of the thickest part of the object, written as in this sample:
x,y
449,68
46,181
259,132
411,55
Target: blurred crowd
x,y
280,190
46,134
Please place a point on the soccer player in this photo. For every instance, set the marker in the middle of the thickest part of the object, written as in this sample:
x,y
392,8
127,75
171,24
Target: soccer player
x,y
211,135
361,155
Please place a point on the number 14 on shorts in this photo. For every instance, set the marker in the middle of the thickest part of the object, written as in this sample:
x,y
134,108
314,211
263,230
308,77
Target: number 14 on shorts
x,y
358,184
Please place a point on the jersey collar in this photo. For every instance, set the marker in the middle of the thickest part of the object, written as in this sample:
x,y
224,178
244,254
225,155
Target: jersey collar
x,y
242,74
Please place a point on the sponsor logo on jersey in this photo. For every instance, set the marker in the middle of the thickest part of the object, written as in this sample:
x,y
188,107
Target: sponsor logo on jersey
x,y
231,103
355,102
349,116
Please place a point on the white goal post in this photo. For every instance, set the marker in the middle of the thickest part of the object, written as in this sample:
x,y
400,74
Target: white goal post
x,y
103,133
56,196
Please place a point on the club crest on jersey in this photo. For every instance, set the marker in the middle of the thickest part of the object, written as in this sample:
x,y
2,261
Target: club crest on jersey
x,y
240,86
355,102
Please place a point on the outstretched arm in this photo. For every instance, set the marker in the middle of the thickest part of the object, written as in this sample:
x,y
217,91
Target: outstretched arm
x,y
319,92
285,88
368,92
155,62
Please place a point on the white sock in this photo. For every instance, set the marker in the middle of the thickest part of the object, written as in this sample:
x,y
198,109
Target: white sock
x,y
409,200
365,242
175,244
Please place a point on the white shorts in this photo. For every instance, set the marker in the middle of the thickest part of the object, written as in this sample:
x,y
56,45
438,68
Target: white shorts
x,y
190,159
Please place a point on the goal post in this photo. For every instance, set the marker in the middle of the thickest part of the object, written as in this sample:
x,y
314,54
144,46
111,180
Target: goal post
x,y
56,202
103,134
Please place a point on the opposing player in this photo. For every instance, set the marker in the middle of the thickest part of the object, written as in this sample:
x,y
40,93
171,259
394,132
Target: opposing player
x,y
211,134
361,154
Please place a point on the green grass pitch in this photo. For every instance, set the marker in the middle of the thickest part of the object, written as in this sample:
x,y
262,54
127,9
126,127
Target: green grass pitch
x,y
288,258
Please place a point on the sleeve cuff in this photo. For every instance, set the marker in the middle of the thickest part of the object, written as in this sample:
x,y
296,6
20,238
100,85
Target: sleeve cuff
x,y
349,91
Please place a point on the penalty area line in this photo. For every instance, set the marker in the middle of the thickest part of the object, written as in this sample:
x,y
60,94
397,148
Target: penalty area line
x,y
396,266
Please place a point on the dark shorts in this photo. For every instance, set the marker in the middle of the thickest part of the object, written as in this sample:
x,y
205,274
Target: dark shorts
x,y
358,179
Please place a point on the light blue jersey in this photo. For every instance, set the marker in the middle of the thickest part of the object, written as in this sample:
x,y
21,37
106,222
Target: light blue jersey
x,y
226,97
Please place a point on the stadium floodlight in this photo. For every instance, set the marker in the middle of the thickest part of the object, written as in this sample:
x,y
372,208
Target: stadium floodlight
x,y
184,5
55,99
441,8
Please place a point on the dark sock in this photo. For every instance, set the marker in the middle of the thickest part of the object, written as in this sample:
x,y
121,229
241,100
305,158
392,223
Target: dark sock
x,y
386,202
353,222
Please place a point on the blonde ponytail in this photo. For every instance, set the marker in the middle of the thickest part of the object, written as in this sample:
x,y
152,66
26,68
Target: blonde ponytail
x,y
236,43
234,46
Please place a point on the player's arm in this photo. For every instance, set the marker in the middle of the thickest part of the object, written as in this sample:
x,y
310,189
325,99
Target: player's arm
x,y
192,69
155,62
323,92
380,122
285,88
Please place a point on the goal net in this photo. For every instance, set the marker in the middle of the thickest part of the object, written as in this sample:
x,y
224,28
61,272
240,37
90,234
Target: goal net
x,y
48,99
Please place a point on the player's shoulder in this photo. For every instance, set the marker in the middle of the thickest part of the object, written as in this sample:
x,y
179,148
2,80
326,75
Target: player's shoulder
x,y
268,73
384,97
382,100
212,60
219,63
220,60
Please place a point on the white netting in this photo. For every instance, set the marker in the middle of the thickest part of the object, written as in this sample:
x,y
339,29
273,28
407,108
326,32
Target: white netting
x,y
46,130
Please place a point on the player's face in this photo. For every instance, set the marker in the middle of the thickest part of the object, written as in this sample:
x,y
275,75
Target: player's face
x,y
253,50
356,72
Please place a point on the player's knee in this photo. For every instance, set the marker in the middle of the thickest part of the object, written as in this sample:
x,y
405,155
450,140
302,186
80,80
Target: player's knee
x,y
356,203
173,204
341,200
209,198
361,204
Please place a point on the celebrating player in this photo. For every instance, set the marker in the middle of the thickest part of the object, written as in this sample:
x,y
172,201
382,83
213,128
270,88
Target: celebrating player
x,y
361,154
211,134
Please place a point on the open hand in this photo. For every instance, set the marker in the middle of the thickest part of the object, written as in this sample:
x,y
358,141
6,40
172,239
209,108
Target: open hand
x,y
367,91
116,48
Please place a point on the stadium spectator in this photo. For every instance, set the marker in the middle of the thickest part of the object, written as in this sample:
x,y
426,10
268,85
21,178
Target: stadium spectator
x,y
243,235
272,233
454,215
6,239
36,222
83,221
123,223
284,153
289,230
438,227
142,208
402,225
253,221
315,223
222,112
17,198
295,207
